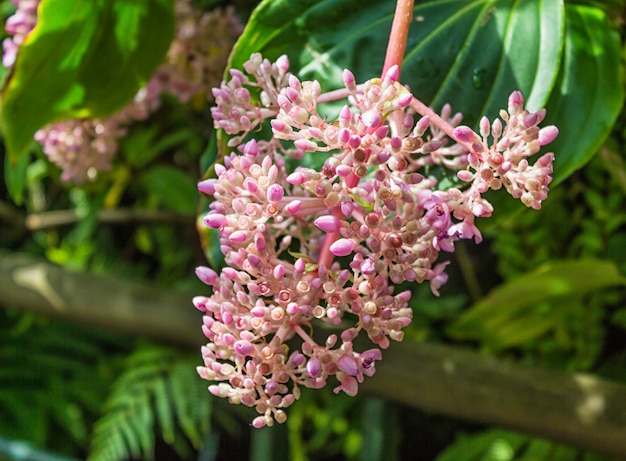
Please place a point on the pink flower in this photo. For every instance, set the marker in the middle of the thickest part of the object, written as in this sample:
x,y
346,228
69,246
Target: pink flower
x,y
305,246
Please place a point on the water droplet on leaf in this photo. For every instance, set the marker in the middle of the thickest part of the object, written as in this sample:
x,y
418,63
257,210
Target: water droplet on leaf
x,y
477,77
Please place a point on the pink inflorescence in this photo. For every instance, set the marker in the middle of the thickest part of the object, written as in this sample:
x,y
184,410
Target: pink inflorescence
x,y
328,245
194,63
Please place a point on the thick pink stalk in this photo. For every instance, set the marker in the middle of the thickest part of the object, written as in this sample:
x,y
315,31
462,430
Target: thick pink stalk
x,y
395,54
399,32
326,257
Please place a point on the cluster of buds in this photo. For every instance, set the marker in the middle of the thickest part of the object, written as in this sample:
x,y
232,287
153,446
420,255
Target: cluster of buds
x,y
194,63
305,247
18,26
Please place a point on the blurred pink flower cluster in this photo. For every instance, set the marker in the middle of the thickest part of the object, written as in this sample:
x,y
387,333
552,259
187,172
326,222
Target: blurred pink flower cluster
x,y
193,65
310,246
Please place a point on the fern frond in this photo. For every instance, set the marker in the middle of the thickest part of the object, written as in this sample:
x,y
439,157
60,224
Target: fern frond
x,y
50,377
158,392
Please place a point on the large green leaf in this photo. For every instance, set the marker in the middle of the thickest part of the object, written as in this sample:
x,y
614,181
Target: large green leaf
x,y
85,58
471,54
521,309
589,93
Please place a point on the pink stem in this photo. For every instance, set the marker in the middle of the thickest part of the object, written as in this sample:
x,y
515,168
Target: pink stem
x,y
326,257
437,121
399,32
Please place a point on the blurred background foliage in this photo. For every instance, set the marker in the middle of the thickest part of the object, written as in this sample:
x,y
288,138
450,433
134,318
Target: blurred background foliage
x,y
71,392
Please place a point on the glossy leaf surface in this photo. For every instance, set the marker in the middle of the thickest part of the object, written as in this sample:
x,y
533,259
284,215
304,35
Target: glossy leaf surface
x,y
531,304
471,54
85,58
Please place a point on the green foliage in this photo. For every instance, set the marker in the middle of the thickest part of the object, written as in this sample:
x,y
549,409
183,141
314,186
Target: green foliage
x,y
172,187
500,445
532,304
591,60
53,376
159,387
84,58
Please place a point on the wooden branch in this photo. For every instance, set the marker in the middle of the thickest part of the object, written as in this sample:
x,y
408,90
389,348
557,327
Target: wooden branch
x,y
56,218
106,302
579,409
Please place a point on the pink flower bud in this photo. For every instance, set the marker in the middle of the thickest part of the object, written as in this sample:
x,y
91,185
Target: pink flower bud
x,y
393,73
279,271
548,134
530,120
327,223
405,99
355,141
200,303
259,242
382,131
296,178
465,134
344,135
250,148
349,81
371,118
275,193
278,125
348,365
299,265
215,220
293,207
282,63
258,422
345,114
465,175
207,275
368,267
516,102
244,347
297,359
207,186
238,236
305,145
294,82
342,247
314,368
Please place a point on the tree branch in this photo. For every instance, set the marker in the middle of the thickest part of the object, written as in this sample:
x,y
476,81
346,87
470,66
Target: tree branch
x,y
579,409
56,218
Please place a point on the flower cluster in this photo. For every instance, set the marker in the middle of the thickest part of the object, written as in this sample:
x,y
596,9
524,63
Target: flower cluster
x,y
194,63
18,26
327,245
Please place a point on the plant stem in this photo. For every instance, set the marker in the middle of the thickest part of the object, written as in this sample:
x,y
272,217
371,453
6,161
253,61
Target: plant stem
x,y
399,32
437,121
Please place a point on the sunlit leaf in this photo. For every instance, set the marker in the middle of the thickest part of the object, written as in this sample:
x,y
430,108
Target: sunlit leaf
x,y
471,54
588,94
84,58
520,310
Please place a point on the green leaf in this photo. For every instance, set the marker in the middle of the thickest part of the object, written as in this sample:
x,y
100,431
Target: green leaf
x,y
471,54
176,190
15,177
159,386
489,445
84,58
520,310
589,93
